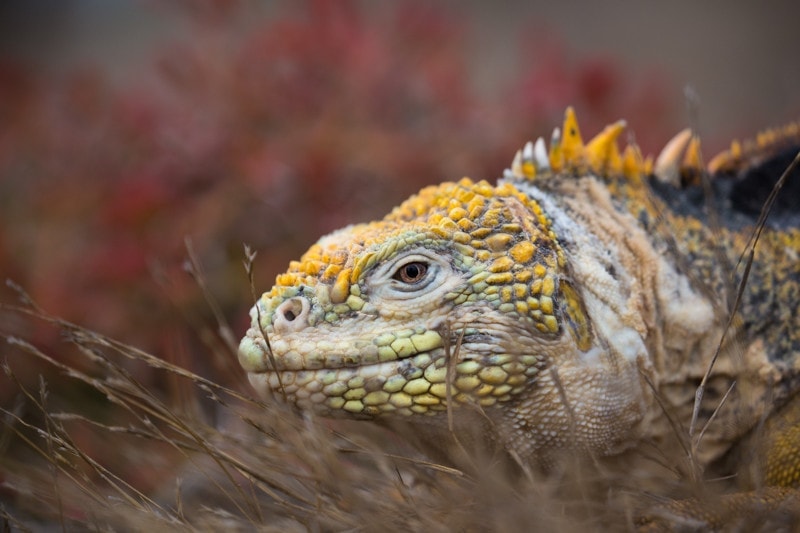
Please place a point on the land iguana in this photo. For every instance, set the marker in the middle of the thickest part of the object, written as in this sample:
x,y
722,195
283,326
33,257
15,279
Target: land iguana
x,y
578,305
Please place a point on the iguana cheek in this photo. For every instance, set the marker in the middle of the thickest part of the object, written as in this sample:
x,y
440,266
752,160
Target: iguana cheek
x,y
405,371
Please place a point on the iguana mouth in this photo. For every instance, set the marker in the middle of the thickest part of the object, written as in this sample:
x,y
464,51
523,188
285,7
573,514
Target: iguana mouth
x,y
407,384
309,354
370,389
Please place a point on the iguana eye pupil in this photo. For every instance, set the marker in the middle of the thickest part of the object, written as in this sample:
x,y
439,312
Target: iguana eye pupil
x,y
411,272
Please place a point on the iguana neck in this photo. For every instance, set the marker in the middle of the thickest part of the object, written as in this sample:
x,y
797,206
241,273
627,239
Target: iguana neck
x,y
679,275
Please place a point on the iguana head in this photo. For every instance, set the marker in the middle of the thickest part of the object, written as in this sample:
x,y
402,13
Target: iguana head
x,y
458,295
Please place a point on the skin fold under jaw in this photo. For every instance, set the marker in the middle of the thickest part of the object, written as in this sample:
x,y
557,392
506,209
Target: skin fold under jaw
x,y
569,305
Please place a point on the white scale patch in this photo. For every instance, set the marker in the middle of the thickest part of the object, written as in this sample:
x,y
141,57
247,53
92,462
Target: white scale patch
x,y
590,262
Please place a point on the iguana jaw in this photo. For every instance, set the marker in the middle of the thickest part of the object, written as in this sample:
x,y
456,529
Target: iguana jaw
x,y
400,372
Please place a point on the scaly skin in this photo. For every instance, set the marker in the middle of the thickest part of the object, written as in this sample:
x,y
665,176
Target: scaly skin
x,y
570,306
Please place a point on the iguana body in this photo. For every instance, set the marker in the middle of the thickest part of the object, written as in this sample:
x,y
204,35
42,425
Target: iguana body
x,y
567,308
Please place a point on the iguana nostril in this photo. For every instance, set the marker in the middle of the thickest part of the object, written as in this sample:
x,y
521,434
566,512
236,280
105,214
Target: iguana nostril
x,y
291,315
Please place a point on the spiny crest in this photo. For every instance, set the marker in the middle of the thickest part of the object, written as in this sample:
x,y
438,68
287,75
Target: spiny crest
x,y
752,152
680,163
568,153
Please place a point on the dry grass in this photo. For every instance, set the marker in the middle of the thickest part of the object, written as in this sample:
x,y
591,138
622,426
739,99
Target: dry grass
x,y
212,457
222,459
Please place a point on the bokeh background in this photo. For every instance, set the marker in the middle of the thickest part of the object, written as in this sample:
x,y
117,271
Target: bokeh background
x,y
130,128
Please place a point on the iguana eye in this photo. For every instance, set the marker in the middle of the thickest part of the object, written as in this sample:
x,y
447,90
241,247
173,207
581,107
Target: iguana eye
x,y
411,273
